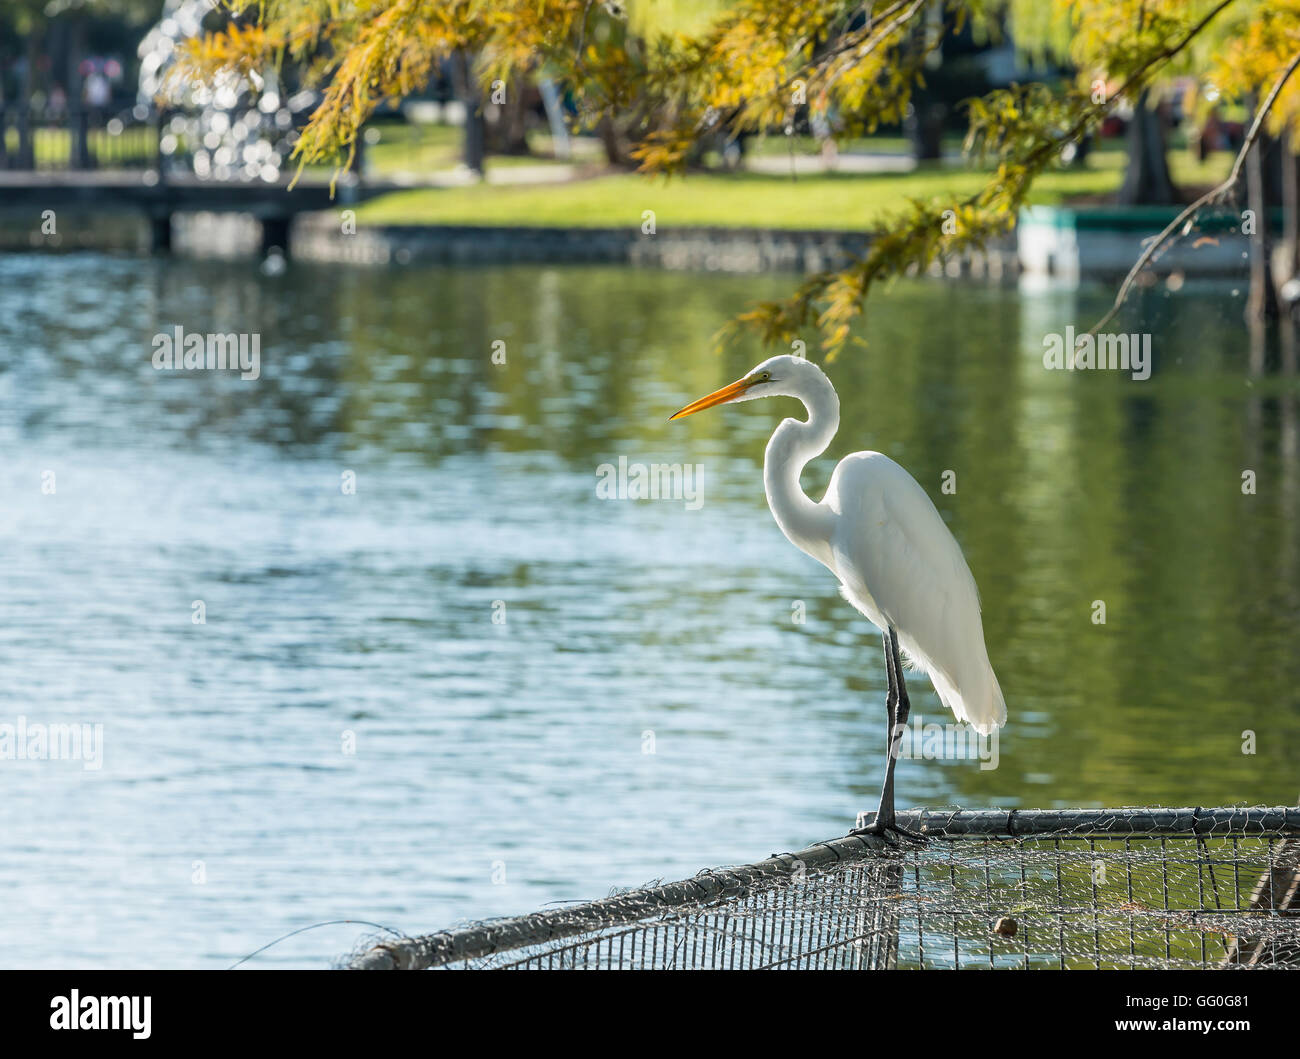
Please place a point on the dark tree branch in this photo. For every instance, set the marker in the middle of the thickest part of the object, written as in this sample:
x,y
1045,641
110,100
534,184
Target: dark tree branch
x,y
1215,194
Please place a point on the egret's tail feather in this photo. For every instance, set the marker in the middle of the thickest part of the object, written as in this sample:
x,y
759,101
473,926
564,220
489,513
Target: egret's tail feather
x,y
978,702
990,711
970,690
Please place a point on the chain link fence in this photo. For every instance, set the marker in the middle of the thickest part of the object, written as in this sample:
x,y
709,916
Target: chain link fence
x,y
1070,888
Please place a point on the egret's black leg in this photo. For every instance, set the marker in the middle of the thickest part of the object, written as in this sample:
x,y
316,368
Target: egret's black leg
x,y
885,808
897,708
902,708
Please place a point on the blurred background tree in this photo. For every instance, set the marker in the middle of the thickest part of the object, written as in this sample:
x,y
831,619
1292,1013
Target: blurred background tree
x,y
663,83
58,55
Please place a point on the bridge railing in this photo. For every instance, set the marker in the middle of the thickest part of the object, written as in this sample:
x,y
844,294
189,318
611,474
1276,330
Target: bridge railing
x,y
245,143
33,138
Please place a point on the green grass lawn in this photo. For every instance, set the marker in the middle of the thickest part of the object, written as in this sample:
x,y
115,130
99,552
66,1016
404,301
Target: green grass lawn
x,y
833,200
403,148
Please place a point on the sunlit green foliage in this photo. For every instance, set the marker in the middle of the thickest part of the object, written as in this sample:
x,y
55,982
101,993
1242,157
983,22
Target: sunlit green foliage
x,y
671,73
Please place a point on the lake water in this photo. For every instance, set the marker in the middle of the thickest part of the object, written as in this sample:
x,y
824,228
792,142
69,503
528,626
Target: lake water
x,y
472,687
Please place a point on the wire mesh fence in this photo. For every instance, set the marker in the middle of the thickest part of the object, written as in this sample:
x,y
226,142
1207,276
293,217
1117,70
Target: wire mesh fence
x,y
1116,888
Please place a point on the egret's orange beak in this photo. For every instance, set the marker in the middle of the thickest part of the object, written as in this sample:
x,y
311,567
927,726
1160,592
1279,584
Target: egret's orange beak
x,y
727,393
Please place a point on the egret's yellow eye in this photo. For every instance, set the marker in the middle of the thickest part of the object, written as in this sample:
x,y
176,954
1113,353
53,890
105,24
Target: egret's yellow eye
x,y
763,376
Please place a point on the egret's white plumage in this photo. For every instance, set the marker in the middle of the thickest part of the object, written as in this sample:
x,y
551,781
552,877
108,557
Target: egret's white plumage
x,y
899,565
878,531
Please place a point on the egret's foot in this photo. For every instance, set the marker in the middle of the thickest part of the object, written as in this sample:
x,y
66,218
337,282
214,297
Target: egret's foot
x,y
890,832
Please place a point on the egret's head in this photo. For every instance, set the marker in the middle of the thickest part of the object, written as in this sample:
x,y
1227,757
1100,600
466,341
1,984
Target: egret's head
x,y
783,376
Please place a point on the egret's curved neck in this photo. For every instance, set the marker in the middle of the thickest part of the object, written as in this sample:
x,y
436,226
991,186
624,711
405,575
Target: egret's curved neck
x,y
806,523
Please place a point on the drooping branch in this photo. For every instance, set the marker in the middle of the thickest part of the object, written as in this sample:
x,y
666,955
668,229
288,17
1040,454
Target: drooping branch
x,y
835,298
1214,195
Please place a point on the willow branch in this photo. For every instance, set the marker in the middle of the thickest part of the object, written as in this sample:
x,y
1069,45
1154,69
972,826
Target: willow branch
x,y
1135,78
1213,195
875,40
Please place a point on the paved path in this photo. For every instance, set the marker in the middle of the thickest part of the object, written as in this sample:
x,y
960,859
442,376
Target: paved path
x,y
848,162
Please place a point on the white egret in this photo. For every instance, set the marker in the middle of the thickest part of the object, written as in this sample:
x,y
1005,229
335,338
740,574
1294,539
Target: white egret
x,y
880,534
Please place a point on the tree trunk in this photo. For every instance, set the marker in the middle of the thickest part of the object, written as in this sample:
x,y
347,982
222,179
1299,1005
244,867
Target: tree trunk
x,y
467,90
615,148
76,49
1262,303
78,116
560,142
509,133
26,150
1146,180
924,128
1288,256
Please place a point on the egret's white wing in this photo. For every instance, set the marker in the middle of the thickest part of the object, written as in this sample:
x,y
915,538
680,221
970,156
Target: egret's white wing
x,y
900,565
